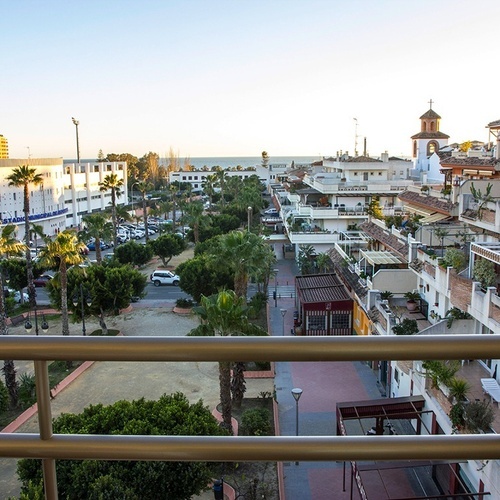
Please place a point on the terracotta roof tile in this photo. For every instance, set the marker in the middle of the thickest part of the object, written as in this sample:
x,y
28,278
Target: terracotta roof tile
x,y
430,135
430,114
429,202
485,161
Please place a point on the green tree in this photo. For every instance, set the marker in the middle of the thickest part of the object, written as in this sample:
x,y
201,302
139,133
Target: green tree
x,y
8,246
208,186
167,246
98,227
484,272
195,218
240,251
130,159
110,288
133,253
23,176
200,277
323,262
143,187
171,415
306,259
114,184
65,250
224,314
37,231
374,209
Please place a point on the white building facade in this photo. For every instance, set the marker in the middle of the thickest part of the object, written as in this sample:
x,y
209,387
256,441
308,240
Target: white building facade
x,y
67,193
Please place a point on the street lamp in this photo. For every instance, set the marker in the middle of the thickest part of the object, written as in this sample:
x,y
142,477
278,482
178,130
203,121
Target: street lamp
x,y
76,123
296,393
275,271
28,326
84,298
249,217
283,313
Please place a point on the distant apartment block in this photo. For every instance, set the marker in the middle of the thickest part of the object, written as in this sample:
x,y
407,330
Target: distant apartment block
x,y
4,147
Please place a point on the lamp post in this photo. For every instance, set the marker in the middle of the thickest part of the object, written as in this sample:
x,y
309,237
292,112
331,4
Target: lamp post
x,y
283,314
249,217
275,271
296,393
28,326
76,123
83,297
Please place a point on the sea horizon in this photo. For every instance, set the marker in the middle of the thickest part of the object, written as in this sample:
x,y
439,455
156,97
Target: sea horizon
x,y
228,161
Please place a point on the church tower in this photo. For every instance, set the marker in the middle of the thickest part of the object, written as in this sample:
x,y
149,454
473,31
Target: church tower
x,y
428,141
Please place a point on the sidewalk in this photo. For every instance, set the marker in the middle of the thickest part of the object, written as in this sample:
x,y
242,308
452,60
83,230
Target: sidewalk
x,y
323,384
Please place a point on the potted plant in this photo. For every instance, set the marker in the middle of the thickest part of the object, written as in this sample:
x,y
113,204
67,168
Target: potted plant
x,y
406,327
484,272
425,189
458,390
412,300
386,295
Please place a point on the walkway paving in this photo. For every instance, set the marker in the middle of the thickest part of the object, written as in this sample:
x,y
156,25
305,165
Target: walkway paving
x,y
323,384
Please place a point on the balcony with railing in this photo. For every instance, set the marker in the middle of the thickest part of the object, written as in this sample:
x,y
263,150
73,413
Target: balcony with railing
x,y
52,447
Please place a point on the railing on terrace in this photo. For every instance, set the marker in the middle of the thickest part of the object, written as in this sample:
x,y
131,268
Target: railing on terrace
x,y
50,447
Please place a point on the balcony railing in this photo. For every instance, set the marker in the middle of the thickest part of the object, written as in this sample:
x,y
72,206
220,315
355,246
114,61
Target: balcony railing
x,y
50,447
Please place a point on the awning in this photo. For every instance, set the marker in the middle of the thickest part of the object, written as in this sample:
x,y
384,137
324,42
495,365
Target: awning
x,y
424,212
435,217
376,257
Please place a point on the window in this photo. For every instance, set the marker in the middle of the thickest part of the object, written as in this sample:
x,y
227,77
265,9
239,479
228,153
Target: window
x,y
316,322
380,173
340,321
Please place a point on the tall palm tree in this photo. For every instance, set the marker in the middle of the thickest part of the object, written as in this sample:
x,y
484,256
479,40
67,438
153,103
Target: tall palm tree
x,y
114,184
8,246
144,187
23,176
209,188
173,194
221,183
98,227
194,217
65,250
224,314
240,251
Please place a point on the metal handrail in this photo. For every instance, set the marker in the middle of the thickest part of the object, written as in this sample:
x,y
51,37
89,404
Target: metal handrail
x,y
50,447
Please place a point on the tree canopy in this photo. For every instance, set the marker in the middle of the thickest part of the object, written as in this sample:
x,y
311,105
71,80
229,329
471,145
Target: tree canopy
x,y
167,246
170,415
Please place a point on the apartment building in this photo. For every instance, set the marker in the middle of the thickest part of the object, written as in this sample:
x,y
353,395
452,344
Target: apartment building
x,y
68,192
4,147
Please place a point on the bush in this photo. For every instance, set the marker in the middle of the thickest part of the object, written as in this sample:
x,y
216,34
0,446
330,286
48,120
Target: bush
x,y
478,416
454,258
484,272
256,422
406,327
184,303
27,390
4,397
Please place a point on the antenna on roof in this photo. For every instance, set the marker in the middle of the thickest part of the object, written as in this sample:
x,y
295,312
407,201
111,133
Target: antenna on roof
x,y
355,137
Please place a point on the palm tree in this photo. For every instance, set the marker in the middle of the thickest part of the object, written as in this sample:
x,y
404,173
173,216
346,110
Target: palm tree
x,y
99,228
224,314
8,246
37,230
23,176
194,217
144,187
209,187
114,184
323,262
65,250
240,251
221,183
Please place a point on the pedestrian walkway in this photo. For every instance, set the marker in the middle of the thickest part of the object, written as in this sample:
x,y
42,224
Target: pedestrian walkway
x,y
323,384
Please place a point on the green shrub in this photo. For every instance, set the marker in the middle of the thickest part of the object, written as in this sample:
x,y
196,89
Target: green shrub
x,y
484,272
406,327
256,422
478,416
184,303
263,365
4,397
27,390
454,258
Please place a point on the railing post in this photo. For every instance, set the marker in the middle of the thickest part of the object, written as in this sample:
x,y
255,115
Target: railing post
x,y
45,425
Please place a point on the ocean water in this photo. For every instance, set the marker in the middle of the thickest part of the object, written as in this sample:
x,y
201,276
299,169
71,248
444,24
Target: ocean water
x,y
244,161
228,161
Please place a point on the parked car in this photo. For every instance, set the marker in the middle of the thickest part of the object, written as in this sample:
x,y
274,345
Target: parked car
x,y
102,244
164,277
271,211
42,280
137,234
9,292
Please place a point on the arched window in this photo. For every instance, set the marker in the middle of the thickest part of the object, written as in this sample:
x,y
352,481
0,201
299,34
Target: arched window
x,y
432,126
414,149
424,127
432,147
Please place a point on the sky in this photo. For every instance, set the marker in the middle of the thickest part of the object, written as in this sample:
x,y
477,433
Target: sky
x,y
235,78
